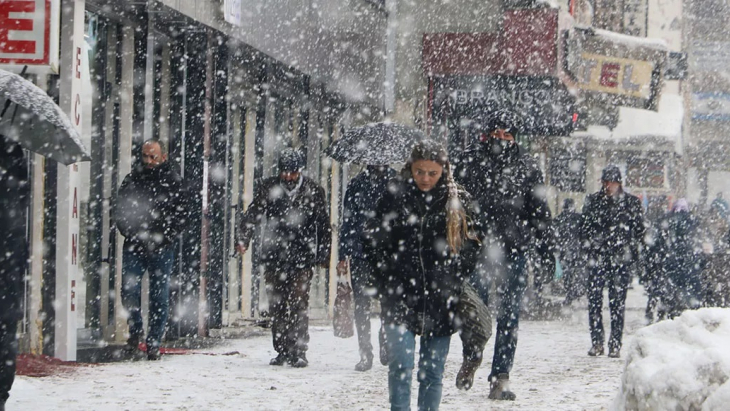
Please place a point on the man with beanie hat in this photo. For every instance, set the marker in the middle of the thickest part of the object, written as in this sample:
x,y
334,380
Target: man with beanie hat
x,y
509,194
291,212
612,231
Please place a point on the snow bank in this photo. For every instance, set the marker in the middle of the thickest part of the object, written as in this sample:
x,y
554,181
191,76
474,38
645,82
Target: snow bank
x,y
682,364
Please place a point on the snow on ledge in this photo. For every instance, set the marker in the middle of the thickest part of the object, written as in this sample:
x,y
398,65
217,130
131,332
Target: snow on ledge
x,y
680,364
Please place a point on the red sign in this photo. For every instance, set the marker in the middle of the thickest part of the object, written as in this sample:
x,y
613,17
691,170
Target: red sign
x,y
25,32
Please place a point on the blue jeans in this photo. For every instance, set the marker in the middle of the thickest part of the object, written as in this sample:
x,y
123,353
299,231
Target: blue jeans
x,y
511,281
158,264
432,358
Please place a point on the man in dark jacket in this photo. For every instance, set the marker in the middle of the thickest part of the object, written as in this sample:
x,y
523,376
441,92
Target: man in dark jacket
x,y
567,227
291,211
363,194
150,215
14,195
612,231
508,189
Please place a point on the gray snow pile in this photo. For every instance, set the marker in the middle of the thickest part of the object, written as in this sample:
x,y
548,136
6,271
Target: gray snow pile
x,y
681,364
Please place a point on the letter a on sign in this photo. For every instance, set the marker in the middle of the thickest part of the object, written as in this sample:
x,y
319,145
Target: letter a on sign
x,y
75,209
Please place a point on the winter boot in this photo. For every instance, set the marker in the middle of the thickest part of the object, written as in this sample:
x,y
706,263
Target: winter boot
x,y
499,388
132,345
153,353
278,360
614,353
366,362
465,376
299,361
596,350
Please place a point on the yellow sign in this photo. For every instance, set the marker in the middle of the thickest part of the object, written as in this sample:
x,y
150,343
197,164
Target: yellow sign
x,y
615,75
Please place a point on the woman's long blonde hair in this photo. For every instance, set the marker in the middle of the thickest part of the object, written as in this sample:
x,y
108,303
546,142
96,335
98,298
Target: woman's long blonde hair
x,y
457,221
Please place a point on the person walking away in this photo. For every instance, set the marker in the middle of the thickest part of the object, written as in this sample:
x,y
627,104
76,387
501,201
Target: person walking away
x,y
655,279
509,199
291,211
362,195
683,261
567,224
612,231
150,215
14,198
422,242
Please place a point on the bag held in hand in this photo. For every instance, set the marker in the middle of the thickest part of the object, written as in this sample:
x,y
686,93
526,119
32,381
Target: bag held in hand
x,y
342,319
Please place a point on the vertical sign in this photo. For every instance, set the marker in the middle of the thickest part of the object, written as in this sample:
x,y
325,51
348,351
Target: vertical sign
x,y
67,252
29,32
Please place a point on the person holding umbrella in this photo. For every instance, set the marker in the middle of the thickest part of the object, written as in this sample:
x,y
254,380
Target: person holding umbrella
x,y
423,244
509,197
14,197
362,195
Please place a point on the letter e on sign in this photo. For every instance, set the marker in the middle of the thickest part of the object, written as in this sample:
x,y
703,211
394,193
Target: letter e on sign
x,y
609,74
25,32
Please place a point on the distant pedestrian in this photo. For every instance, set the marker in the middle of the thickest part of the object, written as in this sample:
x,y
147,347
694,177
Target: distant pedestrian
x,y
14,198
567,226
362,195
423,246
509,200
291,211
612,231
150,215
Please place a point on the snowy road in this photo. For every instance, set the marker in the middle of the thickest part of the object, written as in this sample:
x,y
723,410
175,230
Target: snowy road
x,y
552,372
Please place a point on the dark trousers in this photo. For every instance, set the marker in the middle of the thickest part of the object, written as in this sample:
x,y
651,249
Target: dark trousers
x,y
511,281
288,293
573,278
363,293
159,265
8,357
614,274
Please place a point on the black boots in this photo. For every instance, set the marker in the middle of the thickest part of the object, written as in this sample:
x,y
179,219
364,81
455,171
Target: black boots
x,y
499,388
366,362
596,350
298,361
614,353
278,360
153,353
465,376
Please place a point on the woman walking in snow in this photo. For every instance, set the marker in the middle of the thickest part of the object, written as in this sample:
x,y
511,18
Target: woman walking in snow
x,y
423,245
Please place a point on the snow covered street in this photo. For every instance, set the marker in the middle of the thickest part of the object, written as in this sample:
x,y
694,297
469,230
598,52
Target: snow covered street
x,y
552,372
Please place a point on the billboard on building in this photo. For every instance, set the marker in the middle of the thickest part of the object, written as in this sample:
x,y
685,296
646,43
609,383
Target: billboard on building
x,y
29,33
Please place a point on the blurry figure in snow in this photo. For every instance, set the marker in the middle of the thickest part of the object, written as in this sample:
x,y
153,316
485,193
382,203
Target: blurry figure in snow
x,y
509,199
612,231
150,216
654,255
363,193
424,246
567,227
292,212
682,262
720,205
14,197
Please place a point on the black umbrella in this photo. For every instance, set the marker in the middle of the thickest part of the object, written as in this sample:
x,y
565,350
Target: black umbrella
x,y
376,144
31,118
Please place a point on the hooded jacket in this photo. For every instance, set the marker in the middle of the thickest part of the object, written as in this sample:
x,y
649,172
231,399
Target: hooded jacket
x,y
419,279
295,226
150,209
509,197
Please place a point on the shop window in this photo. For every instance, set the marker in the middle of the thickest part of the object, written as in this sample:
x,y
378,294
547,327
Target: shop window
x,y
645,173
568,169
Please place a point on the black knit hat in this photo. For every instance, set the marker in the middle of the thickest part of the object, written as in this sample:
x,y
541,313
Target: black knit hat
x,y
611,173
290,161
503,120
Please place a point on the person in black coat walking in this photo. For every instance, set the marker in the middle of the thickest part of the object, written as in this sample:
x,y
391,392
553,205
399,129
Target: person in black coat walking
x,y
612,231
363,193
150,215
14,197
567,227
509,196
291,211
422,242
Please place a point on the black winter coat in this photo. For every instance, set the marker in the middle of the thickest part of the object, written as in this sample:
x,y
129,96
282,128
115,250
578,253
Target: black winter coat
x,y
418,278
363,194
509,193
295,226
151,208
567,233
14,197
613,227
